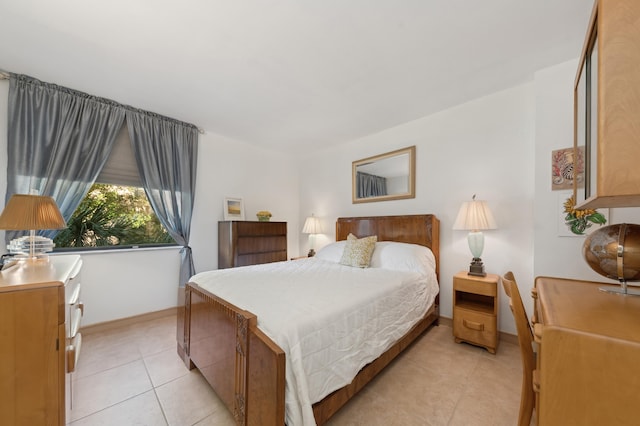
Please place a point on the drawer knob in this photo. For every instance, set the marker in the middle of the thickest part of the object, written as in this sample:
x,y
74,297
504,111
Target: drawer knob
x,y
537,333
473,325
536,381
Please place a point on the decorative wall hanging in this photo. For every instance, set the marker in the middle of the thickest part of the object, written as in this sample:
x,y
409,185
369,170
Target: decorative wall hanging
x,y
578,222
565,168
233,209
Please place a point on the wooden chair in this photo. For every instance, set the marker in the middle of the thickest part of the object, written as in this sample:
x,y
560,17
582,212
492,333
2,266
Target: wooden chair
x,y
525,340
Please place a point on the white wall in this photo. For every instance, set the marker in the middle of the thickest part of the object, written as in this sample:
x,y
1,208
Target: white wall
x,y
120,284
559,255
498,147
484,147
265,180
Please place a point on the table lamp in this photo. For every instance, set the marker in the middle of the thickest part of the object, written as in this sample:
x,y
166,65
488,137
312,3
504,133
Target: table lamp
x,y
30,213
475,216
312,227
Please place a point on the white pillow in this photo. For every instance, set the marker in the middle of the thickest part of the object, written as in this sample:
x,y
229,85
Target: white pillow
x,y
403,257
331,252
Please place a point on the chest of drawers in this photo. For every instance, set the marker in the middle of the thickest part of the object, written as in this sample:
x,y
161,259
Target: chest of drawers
x,y
242,243
40,315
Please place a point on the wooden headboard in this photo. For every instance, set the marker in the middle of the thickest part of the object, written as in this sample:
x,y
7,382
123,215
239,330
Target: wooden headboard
x,y
422,229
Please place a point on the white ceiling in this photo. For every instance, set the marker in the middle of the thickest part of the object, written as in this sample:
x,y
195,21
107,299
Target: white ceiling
x,y
290,74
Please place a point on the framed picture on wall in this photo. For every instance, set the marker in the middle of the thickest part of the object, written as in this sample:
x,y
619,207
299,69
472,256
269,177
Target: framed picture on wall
x,y
233,209
564,230
565,168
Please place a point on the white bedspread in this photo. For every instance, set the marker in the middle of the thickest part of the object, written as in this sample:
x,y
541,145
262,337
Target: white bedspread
x,y
329,319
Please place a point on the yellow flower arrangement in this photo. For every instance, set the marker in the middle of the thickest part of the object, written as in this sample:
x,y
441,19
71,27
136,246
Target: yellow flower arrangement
x,y
579,220
263,215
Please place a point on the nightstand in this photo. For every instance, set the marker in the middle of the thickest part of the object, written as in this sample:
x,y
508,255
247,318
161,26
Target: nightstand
x,y
475,310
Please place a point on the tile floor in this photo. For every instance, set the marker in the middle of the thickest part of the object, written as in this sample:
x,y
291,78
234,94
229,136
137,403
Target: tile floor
x,y
131,375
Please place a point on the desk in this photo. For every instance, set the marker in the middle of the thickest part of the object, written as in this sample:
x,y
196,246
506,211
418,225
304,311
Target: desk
x,y
588,355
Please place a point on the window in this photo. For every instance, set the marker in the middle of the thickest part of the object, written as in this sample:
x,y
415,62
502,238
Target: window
x,y
115,211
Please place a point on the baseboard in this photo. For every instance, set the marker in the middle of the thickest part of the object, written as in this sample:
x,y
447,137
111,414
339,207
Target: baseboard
x,y
504,337
447,322
108,325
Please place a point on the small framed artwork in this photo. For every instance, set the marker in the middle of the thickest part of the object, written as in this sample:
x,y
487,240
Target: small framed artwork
x,y
233,209
565,168
564,228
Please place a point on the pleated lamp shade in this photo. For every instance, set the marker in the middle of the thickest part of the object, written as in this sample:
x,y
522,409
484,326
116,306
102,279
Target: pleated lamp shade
x,y
31,212
474,216
311,226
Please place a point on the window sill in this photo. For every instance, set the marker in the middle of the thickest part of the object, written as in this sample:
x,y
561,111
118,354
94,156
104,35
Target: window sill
x,y
113,250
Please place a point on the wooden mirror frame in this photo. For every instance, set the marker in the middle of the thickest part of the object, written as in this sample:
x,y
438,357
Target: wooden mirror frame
x,y
411,193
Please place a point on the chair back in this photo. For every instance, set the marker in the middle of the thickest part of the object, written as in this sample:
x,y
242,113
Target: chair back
x,y
525,341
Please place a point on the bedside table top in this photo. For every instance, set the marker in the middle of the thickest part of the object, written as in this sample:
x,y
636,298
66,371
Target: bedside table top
x,y
491,278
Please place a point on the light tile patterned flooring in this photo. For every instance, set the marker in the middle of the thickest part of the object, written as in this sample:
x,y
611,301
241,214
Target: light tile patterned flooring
x,y
132,375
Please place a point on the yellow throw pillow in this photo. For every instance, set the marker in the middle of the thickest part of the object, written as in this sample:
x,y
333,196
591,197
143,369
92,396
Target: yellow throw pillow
x,y
357,252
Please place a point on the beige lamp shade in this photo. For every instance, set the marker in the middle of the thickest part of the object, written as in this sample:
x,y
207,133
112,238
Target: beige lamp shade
x,y
311,226
31,212
474,216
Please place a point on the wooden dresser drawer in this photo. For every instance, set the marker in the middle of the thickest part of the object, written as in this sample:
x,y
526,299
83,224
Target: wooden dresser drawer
x,y
259,258
243,243
248,245
260,228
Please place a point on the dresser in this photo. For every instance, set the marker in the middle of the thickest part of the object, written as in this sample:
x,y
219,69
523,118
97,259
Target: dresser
x,y
242,243
40,315
589,349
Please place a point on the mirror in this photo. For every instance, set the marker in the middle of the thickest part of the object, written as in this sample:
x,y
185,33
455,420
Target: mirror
x,y
389,176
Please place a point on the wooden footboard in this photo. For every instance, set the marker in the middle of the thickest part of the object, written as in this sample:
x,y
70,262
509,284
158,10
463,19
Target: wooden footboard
x,y
244,367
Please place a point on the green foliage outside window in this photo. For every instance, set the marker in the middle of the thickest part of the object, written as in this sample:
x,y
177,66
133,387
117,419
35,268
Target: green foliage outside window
x,y
112,215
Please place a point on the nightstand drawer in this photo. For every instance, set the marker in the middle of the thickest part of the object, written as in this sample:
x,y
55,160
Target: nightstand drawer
x,y
475,286
475,327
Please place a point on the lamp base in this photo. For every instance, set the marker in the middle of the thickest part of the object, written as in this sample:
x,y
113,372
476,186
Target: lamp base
x,y
311,253
477,268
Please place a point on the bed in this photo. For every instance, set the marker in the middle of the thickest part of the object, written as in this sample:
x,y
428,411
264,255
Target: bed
x,y
238,354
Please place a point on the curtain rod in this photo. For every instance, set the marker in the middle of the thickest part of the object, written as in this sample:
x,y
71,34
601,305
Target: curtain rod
x,y
4,75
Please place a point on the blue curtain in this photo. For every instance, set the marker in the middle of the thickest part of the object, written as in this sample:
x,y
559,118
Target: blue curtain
x,y
166,153
368,185
58,141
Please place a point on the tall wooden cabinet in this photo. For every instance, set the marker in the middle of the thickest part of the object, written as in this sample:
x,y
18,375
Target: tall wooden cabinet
x,y
242,243
607,107
589,347
39,321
